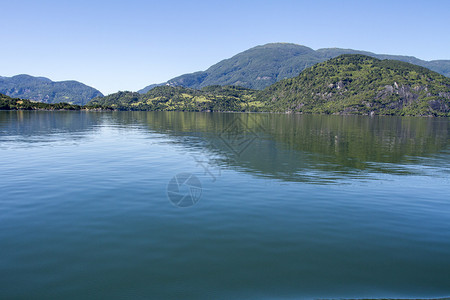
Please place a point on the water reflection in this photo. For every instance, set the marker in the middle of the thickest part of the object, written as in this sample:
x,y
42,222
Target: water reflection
x,y
37,128
311,148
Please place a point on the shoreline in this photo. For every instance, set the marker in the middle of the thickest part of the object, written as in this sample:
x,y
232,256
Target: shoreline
x,y
234,112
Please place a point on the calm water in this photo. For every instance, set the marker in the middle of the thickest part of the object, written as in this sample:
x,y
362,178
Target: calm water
x,y
273,206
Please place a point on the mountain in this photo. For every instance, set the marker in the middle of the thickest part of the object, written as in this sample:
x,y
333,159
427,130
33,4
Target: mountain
x,y
261,66
347,84
44,90
169,98
255,68
359,84
8,103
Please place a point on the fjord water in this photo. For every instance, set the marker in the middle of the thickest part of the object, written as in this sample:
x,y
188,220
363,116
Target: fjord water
x,y
290,206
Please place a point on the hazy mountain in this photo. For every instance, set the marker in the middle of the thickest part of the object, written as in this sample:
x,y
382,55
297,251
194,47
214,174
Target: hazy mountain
x,y
44,90
261,66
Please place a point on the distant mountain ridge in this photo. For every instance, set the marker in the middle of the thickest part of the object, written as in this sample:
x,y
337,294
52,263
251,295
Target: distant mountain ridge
x,y
47,91
262,66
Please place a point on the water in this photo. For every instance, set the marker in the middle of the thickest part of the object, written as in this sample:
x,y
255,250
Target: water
x,y
285,206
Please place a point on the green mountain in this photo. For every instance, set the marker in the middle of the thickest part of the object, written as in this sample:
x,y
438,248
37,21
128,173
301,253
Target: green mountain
x,y
168,98
348,84
8,103
44,90
360,84
261,66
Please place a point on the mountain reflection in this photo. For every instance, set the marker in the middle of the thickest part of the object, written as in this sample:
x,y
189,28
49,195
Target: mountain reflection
x,y
30,123
307,147
315,148
41,127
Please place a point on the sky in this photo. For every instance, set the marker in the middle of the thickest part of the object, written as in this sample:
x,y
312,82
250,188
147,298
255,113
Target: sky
x,y
127,45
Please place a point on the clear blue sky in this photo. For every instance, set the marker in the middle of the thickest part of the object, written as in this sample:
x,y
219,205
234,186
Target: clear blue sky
x,y
126,45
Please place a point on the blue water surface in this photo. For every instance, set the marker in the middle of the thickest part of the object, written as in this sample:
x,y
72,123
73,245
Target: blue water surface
x,y
288,206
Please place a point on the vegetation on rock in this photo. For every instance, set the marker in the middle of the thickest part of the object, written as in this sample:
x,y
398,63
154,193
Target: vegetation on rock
x,y
360,84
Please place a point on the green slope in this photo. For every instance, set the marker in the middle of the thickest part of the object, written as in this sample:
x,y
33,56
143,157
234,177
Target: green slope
x,y
168,98
8,103
348,84
358,84
44,90
261,66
